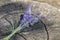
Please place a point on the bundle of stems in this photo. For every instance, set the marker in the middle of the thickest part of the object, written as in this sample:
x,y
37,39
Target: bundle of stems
x,y
13,32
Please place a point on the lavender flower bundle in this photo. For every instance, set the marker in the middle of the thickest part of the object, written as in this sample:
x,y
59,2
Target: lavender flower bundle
x,y
27,19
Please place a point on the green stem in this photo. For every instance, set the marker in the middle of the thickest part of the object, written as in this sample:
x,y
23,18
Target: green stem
x,y
13,32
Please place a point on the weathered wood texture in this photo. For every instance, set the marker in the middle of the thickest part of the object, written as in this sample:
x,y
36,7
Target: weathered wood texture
x,y
52,21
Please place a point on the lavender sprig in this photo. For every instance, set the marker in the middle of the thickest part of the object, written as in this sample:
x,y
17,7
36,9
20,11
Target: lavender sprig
x,y
28,19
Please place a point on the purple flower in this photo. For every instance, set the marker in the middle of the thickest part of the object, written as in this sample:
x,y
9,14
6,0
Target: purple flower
x,y
28,17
